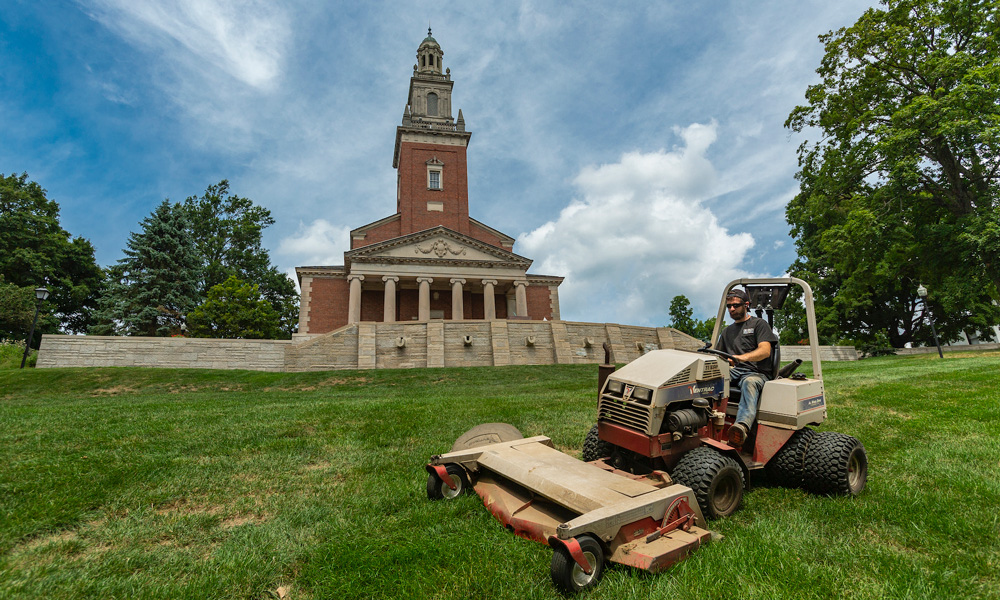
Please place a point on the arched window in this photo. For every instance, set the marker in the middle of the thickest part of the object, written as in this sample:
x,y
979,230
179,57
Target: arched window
x,y
432,104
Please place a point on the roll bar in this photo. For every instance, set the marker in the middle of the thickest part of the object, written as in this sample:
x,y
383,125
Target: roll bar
x,y
807,299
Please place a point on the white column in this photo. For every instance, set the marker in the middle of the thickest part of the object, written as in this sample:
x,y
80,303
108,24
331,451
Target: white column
x,y
389,312
354,301
457,303
424,308
489,300
520,299
304,301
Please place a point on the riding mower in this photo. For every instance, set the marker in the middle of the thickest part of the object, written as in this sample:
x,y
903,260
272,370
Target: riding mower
x,y
657,463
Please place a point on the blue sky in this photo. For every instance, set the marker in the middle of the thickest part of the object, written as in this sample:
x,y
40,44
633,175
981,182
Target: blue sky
x,y
636,148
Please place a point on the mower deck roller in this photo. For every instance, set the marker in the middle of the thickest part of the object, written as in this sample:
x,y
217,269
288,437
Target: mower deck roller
x,y
586,513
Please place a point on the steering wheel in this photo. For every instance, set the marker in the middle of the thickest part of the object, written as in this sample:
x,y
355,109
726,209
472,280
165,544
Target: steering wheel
x,y
725,355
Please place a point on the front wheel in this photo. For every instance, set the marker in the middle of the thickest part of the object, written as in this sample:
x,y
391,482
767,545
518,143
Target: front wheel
x,y
438,489
568,575
594,447
716,479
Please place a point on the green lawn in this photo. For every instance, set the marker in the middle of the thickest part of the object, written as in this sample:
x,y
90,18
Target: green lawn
x,y
145,483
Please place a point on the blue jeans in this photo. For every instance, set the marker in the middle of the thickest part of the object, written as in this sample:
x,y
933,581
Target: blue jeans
x,y
750,383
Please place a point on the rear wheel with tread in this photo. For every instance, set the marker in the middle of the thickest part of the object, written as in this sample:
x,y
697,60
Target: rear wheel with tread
x,y
716,479
836,464
786,467
570,577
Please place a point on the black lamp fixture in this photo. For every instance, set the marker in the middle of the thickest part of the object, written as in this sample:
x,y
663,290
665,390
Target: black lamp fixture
x,y
922,292
41,294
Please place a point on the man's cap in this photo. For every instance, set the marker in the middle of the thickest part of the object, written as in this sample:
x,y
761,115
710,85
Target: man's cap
x,y
734,293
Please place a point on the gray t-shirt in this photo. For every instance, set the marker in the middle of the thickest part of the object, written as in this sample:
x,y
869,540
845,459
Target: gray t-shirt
x,y
744,337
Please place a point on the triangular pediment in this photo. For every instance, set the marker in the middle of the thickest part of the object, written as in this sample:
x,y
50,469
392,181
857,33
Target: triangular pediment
x,y
438,245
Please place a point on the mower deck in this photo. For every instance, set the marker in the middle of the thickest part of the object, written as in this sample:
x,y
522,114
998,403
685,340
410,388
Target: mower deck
x,y
544,495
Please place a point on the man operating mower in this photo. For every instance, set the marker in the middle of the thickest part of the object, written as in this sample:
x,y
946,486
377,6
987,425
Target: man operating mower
x,y
749,339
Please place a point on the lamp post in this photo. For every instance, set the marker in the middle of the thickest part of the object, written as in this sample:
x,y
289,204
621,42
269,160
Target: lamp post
x,y
922,292
40,294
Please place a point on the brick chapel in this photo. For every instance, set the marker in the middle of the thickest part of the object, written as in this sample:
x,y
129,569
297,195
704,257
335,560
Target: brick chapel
x,y
430,260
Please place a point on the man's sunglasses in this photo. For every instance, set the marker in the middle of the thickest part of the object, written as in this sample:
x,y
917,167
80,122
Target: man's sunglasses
x,y
732,306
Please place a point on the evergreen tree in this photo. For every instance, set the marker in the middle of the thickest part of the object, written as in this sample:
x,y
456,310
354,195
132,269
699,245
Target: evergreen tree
x,y
157,282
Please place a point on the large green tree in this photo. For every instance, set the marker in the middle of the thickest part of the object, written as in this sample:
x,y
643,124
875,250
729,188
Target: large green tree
x,y
228,231
902,186
682,319
681,315
234,310
153,287
17,309
35,250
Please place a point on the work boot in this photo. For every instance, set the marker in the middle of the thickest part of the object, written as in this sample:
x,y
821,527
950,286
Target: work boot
x,y
737,435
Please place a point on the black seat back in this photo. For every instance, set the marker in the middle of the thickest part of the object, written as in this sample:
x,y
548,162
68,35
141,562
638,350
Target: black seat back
x,y
775,360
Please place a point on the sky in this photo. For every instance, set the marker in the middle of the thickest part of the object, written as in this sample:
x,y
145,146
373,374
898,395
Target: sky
x,y
635,148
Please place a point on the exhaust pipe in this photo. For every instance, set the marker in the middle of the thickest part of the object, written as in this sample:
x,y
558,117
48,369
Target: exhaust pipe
x,y
605,370
789,368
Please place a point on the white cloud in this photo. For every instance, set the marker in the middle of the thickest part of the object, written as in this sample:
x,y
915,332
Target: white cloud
x,y
319,243
640,235
243,38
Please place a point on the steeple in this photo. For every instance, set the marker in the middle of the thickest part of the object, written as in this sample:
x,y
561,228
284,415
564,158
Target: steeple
x,y
428,103
430,154
429,100
429,55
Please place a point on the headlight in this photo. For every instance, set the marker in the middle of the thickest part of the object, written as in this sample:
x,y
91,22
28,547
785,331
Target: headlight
x,y
642,394
615,386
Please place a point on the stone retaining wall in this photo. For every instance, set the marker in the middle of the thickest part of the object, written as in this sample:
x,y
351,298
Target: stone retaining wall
x,y
174,353
370,345
959,348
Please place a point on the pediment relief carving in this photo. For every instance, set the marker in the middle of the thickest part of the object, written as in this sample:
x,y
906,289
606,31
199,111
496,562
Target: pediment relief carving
x,y
441,248
438,245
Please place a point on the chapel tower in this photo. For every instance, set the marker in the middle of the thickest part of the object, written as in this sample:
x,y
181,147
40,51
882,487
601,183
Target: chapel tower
x,y
432,184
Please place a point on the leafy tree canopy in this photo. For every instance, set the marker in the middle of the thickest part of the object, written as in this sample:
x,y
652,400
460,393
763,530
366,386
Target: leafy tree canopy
x,y
35,250
235,309
17,309
228,231
157,282
902,187
681,317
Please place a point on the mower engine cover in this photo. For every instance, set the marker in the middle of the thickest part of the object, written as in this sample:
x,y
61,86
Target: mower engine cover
x,y
644,392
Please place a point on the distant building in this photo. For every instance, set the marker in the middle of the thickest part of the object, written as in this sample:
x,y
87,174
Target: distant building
x,y
429,260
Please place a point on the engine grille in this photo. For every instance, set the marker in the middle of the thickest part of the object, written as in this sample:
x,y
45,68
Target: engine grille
x,y
711,370
627,414
682,377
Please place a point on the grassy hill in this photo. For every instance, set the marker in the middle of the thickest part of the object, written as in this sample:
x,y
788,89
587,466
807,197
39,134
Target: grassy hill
x,y
146,483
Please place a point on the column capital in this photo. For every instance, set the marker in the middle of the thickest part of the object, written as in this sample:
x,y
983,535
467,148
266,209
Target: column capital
x,y
392,278
353,277
489,282
457,280
425,280
521,283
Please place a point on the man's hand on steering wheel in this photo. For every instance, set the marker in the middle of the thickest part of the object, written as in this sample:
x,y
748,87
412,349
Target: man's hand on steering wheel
x,y
733,361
